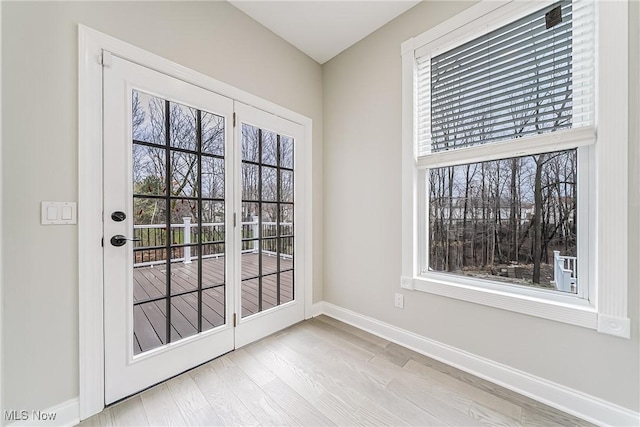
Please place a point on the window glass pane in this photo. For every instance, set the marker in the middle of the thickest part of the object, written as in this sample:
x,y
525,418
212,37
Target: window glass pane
x,y
149,170
269,184
213,228
146,257
286,152
184,316
149,275
212,177
213,259
286,252
268,257
148,118
249,290
269,218
149,326
286,220
184,174
213,308
249,261
184,275
249,181
250,143
149,213
183,211
212,134
183,125
286,186
269,148
286,287
269,291
511,221
212,212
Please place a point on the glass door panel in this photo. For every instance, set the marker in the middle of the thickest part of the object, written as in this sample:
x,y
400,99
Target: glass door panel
x,y
178,221
267,267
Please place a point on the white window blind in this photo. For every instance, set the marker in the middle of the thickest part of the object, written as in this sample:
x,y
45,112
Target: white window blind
x,y
519,80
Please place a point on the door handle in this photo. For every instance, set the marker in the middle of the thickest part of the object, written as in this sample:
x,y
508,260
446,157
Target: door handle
x,y
119,240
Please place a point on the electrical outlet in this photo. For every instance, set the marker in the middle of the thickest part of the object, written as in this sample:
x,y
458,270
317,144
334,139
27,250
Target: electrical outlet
x,y
399,301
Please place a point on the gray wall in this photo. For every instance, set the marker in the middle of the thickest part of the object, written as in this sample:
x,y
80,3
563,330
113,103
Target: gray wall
x,y
40,144
362,161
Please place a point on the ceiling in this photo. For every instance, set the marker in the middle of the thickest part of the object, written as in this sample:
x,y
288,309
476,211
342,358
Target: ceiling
x,y
323,29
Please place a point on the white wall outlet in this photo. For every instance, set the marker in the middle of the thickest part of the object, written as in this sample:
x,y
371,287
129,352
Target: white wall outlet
x,y
399,301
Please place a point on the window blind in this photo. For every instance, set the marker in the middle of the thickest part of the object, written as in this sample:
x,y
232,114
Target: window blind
x,y
521,79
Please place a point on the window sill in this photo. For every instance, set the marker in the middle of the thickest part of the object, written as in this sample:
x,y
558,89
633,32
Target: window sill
x,y
565,309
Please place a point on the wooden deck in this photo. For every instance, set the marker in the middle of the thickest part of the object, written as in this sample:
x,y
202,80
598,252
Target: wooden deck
x,y
150,282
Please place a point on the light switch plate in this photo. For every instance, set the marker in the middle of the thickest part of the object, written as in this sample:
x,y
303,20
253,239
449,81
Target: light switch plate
x,y
59,213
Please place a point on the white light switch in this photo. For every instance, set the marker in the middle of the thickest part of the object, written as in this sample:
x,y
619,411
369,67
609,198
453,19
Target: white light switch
x,y
67,213
58,213
52,213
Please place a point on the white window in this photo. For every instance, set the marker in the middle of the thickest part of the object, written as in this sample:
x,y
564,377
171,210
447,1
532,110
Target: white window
x,y
503,132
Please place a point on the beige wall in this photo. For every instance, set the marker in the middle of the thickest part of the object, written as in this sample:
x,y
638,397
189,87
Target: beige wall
x,y
362,245
40,145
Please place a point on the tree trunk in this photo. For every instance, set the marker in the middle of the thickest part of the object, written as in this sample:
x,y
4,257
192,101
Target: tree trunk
x,y
513,217
464,215
537,227
450,258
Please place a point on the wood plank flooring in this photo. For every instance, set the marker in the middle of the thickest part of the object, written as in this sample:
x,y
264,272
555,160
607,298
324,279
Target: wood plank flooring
x,y
322,372
150,282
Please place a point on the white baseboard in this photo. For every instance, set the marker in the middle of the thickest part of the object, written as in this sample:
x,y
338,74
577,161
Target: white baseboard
x,y
317,309
66,414
582,405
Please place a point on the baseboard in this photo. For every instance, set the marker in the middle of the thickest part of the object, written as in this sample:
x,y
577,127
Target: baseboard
x,y
317,309
66,414
582,405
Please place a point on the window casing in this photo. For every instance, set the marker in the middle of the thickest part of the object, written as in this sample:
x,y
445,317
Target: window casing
x,y
485,130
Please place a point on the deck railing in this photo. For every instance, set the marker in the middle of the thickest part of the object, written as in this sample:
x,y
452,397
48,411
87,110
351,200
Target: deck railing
x,y
150,249
565,275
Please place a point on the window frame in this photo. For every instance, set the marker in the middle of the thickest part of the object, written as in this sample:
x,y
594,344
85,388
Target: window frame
x,y
601,182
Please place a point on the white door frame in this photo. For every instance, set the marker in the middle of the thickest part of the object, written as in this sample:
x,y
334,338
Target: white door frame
x,y
91,44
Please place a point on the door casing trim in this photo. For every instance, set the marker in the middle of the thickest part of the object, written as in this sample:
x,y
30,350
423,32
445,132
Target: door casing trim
x,y
91,44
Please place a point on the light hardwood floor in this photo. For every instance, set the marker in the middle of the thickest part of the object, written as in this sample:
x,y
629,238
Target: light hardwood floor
x,y
324,372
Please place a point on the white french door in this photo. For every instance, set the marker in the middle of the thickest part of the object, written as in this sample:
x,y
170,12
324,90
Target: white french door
x,y
201,244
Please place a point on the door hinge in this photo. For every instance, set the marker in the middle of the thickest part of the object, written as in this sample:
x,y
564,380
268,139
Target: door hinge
x,y
235,320
234,119
234,220
105,59
102,242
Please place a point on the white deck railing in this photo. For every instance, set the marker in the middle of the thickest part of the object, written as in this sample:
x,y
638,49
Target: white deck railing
x,y
565,275
250,229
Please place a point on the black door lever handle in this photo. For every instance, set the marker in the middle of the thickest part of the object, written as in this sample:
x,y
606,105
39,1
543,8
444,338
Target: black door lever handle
x,y
119,240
